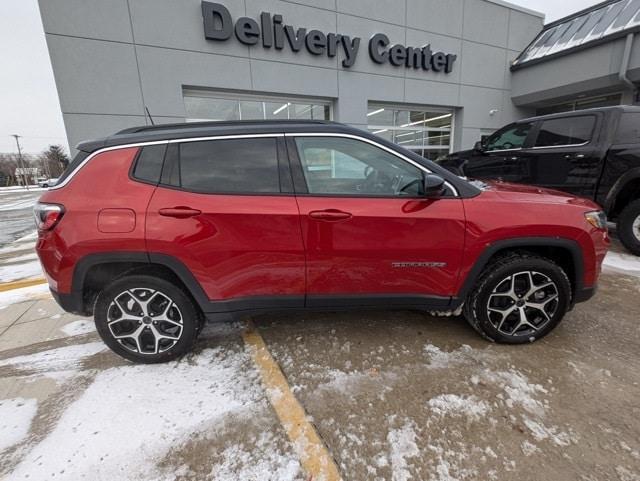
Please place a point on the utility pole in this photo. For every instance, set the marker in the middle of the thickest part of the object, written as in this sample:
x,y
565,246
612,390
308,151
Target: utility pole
x,y
21,161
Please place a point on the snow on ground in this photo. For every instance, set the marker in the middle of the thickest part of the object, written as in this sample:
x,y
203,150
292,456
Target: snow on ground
x,y
622,262
81,326
130,419
402,445
455,405
15,296
18,204
68,358
16,272
16,188
15,420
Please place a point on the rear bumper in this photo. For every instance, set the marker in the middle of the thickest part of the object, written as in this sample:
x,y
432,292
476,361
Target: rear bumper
x,y
70,302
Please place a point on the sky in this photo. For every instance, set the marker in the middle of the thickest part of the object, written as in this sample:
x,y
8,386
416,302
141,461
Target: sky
x,y
29,103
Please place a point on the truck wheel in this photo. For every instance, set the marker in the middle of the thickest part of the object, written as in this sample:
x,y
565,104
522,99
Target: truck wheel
x,y
629,227
518,298
146,319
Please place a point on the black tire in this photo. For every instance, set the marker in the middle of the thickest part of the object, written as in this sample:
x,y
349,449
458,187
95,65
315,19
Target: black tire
x,y
181,319
490,288
628,234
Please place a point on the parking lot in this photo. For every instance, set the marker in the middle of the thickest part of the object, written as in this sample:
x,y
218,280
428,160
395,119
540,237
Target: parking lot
x,y
392,395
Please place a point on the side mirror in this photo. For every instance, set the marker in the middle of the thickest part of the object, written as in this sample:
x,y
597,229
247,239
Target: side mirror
x,y
478,146
433,186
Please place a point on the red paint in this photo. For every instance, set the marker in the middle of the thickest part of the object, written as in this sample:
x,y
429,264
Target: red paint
x,y
257,245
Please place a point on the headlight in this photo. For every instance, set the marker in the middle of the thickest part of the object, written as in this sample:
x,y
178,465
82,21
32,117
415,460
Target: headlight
x,y
597,219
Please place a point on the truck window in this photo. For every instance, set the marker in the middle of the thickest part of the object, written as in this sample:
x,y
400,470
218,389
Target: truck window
x,y
508,138
629,129
566,131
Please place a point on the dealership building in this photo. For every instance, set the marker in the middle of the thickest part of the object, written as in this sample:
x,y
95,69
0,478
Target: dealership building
x,y
430,75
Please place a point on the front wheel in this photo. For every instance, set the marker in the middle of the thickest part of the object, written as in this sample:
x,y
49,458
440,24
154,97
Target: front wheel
x,y
518,298
146,319
628,227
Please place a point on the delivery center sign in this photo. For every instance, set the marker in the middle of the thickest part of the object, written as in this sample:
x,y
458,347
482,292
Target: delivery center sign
x,y
270,31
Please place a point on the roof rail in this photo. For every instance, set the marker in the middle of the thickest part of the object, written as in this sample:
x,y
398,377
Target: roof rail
x,y
195,125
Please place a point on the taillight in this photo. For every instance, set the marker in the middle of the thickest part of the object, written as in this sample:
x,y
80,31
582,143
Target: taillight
x,y
47,215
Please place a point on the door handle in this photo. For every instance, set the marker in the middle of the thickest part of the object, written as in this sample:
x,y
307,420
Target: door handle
x,y
180,212
330,215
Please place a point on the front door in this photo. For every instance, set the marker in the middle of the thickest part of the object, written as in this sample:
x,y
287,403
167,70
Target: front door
x,y
222,210
370,237
500,158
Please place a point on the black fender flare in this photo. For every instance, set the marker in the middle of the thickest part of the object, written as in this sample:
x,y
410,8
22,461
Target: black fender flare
x,y
620,184
174,265
522,243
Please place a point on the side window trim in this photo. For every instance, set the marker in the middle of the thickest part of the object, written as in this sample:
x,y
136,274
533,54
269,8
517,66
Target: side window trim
x,y
592,135
300,183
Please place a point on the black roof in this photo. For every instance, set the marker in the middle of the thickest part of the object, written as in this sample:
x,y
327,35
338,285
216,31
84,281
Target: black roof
x,y
571,113
150,133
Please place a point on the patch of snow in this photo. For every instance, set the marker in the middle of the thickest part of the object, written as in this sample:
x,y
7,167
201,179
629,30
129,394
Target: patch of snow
x,y
439,359
626,475
21,271
519,390
66,358
528,448
16,416
14,296
129,419
541,432
623,263
402,445
81,326
454,405
262,462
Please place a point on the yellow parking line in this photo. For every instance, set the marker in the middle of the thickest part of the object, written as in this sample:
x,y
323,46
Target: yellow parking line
x,y
312,452
9,286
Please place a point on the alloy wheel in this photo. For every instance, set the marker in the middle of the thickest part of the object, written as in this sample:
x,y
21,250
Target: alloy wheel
x,y
523,303
635,228
145,321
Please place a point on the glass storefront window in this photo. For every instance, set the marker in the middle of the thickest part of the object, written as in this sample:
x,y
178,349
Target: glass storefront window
x,y
219,107
426,132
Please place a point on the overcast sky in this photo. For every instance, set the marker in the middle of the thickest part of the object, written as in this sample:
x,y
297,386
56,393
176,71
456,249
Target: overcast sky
x,y
28,99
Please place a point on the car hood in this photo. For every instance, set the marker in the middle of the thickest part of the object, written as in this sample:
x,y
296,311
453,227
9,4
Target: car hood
x,y
531,193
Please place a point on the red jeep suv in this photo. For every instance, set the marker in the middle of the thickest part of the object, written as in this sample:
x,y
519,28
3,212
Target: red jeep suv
x,y
156,229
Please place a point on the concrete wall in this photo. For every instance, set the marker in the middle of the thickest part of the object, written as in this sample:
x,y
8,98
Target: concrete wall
x,y
110,59
590,71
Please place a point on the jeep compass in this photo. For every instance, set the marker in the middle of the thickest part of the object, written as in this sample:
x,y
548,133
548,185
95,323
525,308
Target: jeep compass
x,y
157,229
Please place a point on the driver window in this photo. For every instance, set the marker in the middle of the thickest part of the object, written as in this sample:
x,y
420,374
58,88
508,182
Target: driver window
x,y
336,165
509,138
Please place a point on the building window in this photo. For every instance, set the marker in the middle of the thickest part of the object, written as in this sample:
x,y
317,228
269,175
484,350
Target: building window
x,y
217,106
581,104
424,131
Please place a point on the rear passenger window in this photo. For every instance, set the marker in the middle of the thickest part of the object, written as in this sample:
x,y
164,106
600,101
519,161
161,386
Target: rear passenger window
x,y
149,163
628,129
566,131
230,166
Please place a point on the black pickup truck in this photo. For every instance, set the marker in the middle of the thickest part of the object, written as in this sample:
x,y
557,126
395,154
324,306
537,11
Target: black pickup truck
x,y
592,153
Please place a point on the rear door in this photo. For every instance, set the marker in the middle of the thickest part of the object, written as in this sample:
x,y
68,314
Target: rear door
x,y
499,159
371,238
225,209
564,155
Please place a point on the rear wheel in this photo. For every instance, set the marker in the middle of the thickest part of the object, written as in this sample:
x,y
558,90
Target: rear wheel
x,y
629,227
518,298
146,319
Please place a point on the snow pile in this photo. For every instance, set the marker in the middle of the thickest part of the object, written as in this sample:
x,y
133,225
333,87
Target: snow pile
x,y
519,390
454,405
16,416
623,263
402,445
